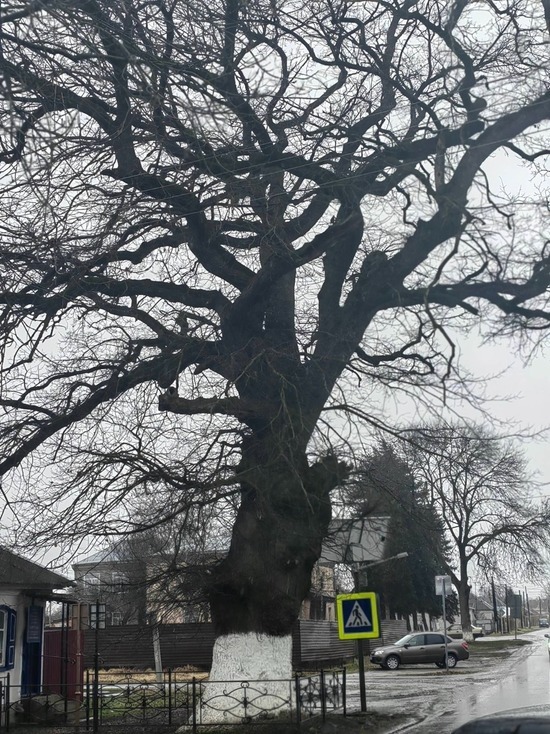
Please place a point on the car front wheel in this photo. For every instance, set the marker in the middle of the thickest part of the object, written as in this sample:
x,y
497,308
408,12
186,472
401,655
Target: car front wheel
x,y
392,662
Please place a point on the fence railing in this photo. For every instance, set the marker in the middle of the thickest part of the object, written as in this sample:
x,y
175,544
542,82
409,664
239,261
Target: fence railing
x,y
175,701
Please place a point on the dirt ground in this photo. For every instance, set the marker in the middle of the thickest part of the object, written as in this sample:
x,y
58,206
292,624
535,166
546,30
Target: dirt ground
x,y
371,722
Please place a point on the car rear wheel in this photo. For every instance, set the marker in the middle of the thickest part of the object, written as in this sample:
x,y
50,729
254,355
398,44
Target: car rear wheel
x,y
452,660
392,662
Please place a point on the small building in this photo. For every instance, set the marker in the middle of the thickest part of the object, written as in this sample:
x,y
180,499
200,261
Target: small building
x,y
25,587
117,578
138,586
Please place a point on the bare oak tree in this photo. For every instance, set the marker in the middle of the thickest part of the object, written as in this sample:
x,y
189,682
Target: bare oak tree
x,y
223,223
483,494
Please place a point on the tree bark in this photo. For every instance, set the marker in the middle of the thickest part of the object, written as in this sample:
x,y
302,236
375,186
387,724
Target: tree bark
x,y
464,606
277,537
256,591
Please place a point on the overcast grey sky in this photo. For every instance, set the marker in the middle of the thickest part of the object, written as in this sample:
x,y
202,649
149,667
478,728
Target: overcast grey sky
x,y
522,389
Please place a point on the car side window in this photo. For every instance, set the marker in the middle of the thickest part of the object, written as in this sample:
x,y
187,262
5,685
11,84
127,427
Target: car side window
x,y
416,640
435,639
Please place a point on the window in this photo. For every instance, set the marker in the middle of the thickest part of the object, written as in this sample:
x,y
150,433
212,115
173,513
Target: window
x,y
116,619
432,639
91,580
118,581
7,637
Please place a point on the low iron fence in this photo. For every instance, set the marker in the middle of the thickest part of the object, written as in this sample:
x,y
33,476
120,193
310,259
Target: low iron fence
x,y
175,701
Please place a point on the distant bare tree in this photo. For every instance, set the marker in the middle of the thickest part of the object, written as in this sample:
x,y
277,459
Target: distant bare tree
x,y
483,494
223,223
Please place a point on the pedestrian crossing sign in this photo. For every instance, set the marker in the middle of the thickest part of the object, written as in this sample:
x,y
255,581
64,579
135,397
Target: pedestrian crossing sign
x,y
357,615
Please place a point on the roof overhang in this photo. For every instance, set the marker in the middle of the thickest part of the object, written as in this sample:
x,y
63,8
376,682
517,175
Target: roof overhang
x,y
49,595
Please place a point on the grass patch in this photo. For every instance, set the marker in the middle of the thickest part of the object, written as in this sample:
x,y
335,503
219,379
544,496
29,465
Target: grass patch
x,y
140,703
121,675
487,648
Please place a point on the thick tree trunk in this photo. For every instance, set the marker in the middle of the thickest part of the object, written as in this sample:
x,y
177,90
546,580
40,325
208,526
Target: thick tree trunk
x,y
260,585
256,592
464,606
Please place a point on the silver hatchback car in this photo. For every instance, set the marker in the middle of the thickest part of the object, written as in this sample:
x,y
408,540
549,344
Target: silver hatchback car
x,y
420,647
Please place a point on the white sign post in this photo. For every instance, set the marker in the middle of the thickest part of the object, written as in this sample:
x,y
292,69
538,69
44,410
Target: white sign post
x,y
443,588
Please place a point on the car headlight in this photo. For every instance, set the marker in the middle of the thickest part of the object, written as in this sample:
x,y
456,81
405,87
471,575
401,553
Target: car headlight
x,y
378,652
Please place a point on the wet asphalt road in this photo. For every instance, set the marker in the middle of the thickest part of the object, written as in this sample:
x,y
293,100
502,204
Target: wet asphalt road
x,y
439,701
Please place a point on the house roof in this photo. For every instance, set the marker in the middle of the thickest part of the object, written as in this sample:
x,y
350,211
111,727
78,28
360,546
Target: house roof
x,y
117,554
19,573
114,554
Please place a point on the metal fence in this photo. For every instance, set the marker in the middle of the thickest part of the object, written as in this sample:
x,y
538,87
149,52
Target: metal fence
x,y
174,701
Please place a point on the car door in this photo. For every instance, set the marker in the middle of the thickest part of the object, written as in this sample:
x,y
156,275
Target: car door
x,y
414,651
434,649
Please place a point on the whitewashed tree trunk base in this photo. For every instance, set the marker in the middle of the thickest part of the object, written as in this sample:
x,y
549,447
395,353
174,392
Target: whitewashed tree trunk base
x,y
251,656
251,668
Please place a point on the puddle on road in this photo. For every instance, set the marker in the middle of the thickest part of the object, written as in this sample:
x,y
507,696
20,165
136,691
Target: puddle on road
x,y
526,684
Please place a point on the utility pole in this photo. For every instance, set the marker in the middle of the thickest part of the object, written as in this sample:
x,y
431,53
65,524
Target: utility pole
x,y
521,610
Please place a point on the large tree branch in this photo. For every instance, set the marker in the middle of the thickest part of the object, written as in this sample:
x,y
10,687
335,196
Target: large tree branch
x,y
237,407
119,382
505,129
40,300
211,255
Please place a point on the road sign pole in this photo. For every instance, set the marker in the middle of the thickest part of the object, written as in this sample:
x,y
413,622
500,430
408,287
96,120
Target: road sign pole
x,y
358,619
362,685
441,588
361,658
443,595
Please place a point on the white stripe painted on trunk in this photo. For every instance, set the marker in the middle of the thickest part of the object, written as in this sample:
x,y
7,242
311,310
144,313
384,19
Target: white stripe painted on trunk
x,y
264,662
251,656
